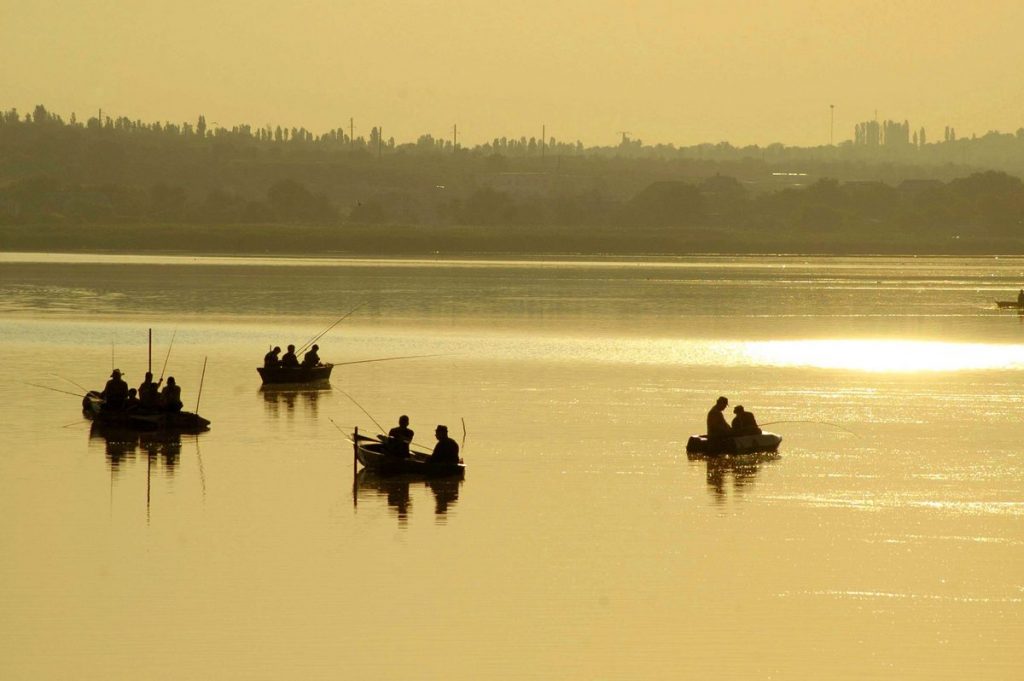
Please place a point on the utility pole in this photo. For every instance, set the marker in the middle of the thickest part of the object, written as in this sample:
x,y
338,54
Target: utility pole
x,y
831,124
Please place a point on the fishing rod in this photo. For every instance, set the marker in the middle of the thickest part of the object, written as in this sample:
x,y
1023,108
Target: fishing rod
x,y
361,408
819,423
167,357
77,385
201,385
318,337
56,390
463,447
384,359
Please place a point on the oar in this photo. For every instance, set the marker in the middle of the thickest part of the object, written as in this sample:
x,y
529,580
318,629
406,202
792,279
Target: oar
x,y
321,334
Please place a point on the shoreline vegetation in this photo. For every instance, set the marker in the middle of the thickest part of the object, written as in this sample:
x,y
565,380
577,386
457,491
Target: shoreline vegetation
x,y
418,241
122,186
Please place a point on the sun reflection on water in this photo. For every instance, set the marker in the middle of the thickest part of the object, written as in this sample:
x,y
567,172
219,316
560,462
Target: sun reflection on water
x,y
885,355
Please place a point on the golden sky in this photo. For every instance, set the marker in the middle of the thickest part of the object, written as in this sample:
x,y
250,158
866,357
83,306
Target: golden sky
x,y
684,72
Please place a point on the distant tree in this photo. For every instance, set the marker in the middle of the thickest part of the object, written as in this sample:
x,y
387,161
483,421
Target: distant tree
x,y
201,126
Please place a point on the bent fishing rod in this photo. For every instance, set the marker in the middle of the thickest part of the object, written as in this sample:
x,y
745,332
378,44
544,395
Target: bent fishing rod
x,y
321,334
369,416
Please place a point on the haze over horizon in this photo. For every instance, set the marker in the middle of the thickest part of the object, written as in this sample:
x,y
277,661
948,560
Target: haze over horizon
x,y
666,72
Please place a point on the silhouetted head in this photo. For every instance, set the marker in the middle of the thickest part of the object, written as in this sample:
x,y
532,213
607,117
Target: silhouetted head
x,y
170,380
738,409
441,432
403,420
132,392
149,376
291,348
116,373
277,349
316,347
722,402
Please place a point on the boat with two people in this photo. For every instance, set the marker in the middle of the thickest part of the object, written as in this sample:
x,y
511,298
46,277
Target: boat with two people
x,y
385,455
742,436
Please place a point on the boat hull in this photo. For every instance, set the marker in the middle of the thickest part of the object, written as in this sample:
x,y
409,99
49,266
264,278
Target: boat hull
x,y
1012,304
180,422
295,375
744,444
373,455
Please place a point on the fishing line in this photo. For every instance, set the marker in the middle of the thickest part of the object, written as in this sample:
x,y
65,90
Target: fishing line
x,y
819,423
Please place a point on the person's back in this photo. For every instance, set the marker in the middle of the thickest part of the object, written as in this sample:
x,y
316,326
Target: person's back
x,y
289,359
744,423
717,426
115,392
270,360
446,451
149,392
400,437
170,396
311,358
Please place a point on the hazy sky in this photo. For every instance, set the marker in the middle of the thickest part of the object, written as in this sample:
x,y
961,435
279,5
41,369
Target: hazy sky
x,y
684,72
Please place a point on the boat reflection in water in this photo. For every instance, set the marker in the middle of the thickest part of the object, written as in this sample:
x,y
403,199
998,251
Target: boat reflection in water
x,y
741,469
396,488
125,444
284,398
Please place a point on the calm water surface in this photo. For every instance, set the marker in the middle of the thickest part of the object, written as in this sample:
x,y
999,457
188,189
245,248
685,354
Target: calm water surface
x,y
582,544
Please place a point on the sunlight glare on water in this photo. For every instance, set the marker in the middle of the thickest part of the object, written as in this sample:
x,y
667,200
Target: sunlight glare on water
x,y
885,355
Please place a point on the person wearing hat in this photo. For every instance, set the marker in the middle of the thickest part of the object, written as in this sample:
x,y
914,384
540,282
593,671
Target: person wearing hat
x,y
717,426
744,422
311,359
446,451
115,392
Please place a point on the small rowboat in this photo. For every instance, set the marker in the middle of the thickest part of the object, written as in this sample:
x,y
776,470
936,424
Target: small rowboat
x,y
295,375
744,444
1012,304
373,453
140,419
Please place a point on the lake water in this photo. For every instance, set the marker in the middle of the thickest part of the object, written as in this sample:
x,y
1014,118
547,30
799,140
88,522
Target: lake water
x,y
886,540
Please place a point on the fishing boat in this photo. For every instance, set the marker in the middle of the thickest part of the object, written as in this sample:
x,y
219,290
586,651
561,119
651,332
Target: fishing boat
x,y
743,444
299,375
142,419
373,454
1011,304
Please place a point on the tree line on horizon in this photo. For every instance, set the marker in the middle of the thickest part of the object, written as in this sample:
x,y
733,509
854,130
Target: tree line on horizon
x,y
118,171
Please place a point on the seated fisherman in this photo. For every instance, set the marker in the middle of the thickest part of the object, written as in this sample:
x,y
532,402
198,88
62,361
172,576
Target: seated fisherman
x,y
744,422
271,359
399,438
311,359
149,392
717,426
446,451
115,392
170,396
289,359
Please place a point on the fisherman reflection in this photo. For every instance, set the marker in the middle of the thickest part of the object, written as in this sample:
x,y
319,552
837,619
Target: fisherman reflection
x,y
446,492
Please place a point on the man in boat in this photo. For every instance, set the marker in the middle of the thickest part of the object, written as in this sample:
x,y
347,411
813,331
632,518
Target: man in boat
x,y
170,396
289,359
149,392
744,422
446,451
115,392
271,359
132,401
311,359
717,426
399,437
